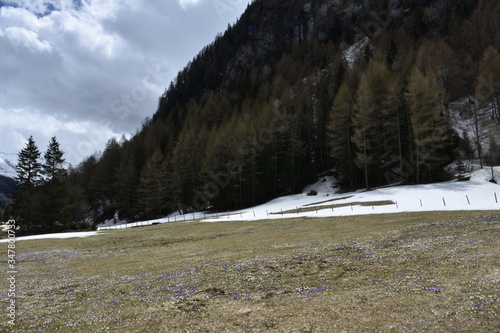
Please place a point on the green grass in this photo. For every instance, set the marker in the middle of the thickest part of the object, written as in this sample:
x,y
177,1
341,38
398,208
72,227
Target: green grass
x,y
418,272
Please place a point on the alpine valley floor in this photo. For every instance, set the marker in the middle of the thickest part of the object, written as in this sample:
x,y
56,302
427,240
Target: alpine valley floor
x,y
400,272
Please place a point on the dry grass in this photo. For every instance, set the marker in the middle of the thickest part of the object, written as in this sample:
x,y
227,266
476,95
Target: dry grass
x,y
420,272
330,200
311,208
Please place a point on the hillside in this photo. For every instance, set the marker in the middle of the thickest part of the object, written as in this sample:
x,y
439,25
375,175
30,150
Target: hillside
x,y
291,91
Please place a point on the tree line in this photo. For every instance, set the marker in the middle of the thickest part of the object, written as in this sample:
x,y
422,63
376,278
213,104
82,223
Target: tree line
x,y
45,199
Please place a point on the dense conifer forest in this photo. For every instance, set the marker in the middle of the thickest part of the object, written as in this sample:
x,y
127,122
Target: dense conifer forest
x,y
370,91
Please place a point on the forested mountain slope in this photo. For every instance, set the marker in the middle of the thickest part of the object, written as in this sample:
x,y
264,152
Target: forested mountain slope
x,y
294,89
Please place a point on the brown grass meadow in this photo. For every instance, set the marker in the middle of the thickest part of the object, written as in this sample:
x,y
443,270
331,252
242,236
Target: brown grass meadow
x,y
411,272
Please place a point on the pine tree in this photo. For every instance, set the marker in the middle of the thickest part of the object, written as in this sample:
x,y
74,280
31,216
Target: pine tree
x,y
57,210
150,188
339,134
54,161
28,199
487,88
425,101
28,167
393,134
370,120
126,185
186,164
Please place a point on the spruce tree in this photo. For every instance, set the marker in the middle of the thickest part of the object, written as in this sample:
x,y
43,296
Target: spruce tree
x,y
28,167
58,210
54,161
28,200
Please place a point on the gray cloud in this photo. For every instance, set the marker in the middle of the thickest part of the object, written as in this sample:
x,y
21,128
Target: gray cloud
x,y
85,71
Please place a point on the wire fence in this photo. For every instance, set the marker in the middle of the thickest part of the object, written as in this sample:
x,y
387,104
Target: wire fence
x,y
460,202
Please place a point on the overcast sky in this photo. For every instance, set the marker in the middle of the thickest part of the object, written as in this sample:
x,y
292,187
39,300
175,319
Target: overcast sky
x,y
87,70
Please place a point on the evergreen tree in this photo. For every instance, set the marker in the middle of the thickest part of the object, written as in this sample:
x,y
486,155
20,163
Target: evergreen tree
x,y
126,185
425,100
28,168
371,119
339,134
150,188
53,166
186,164
28,199
487,87
57,212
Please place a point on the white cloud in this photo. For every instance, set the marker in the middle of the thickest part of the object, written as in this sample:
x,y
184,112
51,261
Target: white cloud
x,y
20,36
88,32
88,70
186,3
78,139
101,9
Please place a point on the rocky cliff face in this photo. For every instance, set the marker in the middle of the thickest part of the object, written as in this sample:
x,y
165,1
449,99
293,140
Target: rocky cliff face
x,y
267,26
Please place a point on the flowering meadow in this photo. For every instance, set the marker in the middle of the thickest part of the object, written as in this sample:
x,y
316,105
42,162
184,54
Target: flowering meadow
x,y
411,272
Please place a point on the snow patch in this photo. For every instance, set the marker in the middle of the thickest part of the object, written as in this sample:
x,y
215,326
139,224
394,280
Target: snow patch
x,y
8,165
55,236
355,51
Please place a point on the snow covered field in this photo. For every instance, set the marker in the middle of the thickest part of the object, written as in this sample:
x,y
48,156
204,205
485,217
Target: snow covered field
x,y
476,194
56,236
